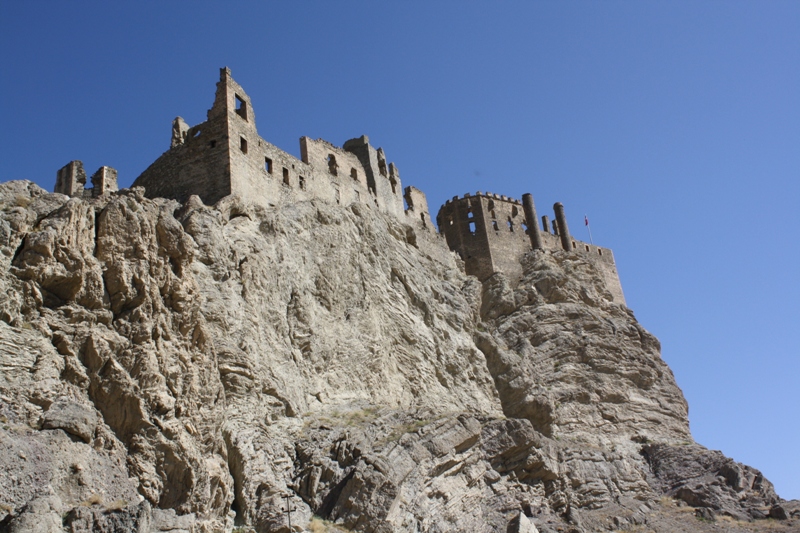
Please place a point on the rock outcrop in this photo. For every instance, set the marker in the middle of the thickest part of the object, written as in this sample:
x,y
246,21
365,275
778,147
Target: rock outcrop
x,y
182,367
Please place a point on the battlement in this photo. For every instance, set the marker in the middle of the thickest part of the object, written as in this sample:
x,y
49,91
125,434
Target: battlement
x,y
492,232
225,155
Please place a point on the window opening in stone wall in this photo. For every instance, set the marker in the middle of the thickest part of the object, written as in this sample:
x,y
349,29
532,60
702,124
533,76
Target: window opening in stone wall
x,y
586,246
490,206
393,183
286,176
212,144
354,174
469,213
358,195
472,227
422,218
493,214
196,134
494,225
302,182
524,227
382,167
510,225
268,165
599,251
574,246
332,166
514,211
243,145
241,107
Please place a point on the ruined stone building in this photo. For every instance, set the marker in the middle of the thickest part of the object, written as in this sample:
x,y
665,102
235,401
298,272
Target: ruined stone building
x,y
71,180
225,155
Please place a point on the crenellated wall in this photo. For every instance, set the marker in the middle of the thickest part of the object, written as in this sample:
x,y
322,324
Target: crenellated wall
x,y
490,233
225,155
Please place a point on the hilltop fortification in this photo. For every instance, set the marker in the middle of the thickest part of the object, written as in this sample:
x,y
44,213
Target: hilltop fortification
x,y
246,341
226,156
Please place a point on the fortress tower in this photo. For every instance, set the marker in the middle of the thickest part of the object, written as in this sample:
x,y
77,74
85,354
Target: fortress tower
x,y
491,233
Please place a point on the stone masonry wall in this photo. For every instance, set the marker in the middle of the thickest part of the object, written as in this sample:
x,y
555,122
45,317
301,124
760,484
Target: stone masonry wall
x,y
489,232
225,155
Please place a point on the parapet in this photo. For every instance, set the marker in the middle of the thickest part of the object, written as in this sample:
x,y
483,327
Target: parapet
x,y
71,180
491,233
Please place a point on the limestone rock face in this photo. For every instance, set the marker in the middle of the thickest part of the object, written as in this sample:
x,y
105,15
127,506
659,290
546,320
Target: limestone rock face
x,y
170,367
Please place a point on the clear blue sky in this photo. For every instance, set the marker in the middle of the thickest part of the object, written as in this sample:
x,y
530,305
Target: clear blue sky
x,y
675,126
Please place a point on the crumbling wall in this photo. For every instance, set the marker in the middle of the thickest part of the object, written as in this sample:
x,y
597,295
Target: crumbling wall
x,y
383,181
490,233
225,155
339,176
71,180
417,212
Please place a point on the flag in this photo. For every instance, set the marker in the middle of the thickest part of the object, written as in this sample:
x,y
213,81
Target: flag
x,y
586,220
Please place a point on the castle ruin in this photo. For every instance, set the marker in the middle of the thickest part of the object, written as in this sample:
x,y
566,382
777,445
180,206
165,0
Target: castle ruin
x,y
71,180
225,155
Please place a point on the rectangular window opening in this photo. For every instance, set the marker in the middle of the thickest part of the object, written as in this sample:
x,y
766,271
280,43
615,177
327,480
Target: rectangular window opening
x,y
268,165
599,251
243,145
494,225
472,227
286,176
302,182
241,107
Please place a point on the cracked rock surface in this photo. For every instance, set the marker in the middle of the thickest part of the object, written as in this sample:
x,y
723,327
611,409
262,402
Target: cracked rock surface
x,y
182,367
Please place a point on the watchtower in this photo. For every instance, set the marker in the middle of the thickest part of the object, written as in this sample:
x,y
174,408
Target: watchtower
x,y
492,232
488,231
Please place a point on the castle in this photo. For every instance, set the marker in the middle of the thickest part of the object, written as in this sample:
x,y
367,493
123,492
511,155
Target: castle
x,y
225,155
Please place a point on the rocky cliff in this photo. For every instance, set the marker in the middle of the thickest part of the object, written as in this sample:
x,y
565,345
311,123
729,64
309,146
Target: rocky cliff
x,y
314,367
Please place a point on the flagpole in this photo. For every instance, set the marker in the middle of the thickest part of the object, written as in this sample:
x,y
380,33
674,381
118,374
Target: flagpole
x,y
586,220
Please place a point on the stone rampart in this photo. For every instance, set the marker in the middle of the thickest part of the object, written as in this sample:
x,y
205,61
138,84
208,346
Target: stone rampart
x,y
225,155
491,233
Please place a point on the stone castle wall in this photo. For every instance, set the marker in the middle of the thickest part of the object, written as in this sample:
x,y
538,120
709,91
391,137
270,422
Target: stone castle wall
x,y
490,233
71,180
225,155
